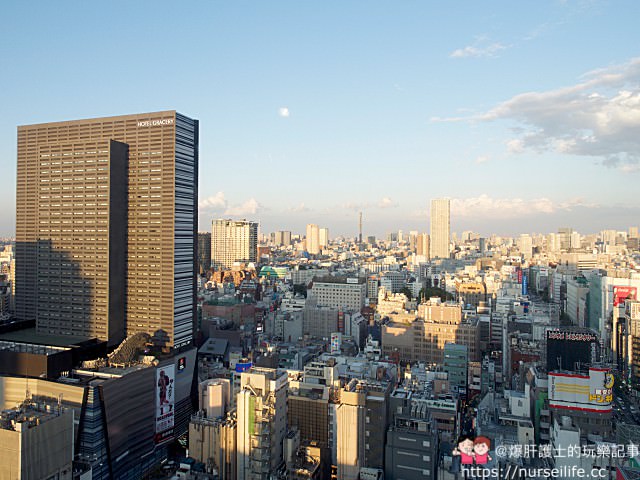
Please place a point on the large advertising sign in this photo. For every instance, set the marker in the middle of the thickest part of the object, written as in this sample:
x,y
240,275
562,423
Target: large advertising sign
x,y
591,393
620,294
165,395
336,342
568,349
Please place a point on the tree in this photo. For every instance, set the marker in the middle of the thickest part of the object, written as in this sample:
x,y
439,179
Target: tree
x,y
428,292
406,292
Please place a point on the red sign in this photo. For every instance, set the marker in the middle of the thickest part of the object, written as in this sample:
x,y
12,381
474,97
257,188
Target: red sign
x,y
620,294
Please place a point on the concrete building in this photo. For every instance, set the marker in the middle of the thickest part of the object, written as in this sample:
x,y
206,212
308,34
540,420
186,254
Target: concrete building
x,y
106,211
204,252
214,397
456,364
525,245
424,339
577,291
345,293
233,241
313,239
361,423
411,449
212,441
123,423
319,322
36,442
631,350
323,237
440,228
302,276
586,397
308,406
262,423
393,280
471,293
282,238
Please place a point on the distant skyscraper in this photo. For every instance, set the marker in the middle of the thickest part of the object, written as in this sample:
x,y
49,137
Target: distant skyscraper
x,y
323,237
440,228
422,244
233,241
282,237
106,215
313,239
525,244
204,252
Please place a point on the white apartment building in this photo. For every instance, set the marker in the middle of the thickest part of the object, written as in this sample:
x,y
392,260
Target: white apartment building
x,y
339,292
233,241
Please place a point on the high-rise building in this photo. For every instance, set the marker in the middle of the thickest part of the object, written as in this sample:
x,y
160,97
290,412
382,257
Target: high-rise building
x,y
361,421
323,237
282,238
204,252
262,422
233,241
313,239
525,244
422,244
440,228
456,364
106,217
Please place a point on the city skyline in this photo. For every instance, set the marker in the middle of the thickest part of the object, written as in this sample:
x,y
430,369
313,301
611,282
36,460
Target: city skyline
x,y
524,117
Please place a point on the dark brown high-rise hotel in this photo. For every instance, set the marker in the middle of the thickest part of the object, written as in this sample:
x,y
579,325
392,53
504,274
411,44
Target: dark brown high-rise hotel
x,y
106,227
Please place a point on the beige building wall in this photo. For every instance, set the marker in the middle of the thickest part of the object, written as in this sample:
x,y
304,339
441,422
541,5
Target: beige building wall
x,y
40,452
67,195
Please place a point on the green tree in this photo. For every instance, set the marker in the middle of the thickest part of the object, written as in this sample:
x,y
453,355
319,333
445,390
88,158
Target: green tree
x,y
407,292
428,292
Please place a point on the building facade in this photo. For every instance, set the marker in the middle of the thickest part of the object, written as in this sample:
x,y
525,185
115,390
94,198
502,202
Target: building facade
x,y
106,215
313,239
440,228
339,292
233,241
204,252
261,423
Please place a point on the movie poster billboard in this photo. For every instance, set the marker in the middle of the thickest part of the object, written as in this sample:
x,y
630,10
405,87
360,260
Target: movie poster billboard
x,y
165,395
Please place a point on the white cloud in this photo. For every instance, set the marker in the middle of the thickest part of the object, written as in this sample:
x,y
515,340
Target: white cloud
x,y
480,48
213,202
284,112
482,159
486,206
386,202
249,207
299,208
597,117
354,206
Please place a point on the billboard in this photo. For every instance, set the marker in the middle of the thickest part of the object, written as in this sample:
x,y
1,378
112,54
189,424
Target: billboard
x,y
590,393
165,399
620,294
571,348
336,342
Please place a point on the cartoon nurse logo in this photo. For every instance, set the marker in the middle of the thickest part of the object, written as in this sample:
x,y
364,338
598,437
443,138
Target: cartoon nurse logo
x,y
481,447
464,450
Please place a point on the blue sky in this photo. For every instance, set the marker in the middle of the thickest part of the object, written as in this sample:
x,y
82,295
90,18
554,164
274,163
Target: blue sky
x,y
525,114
